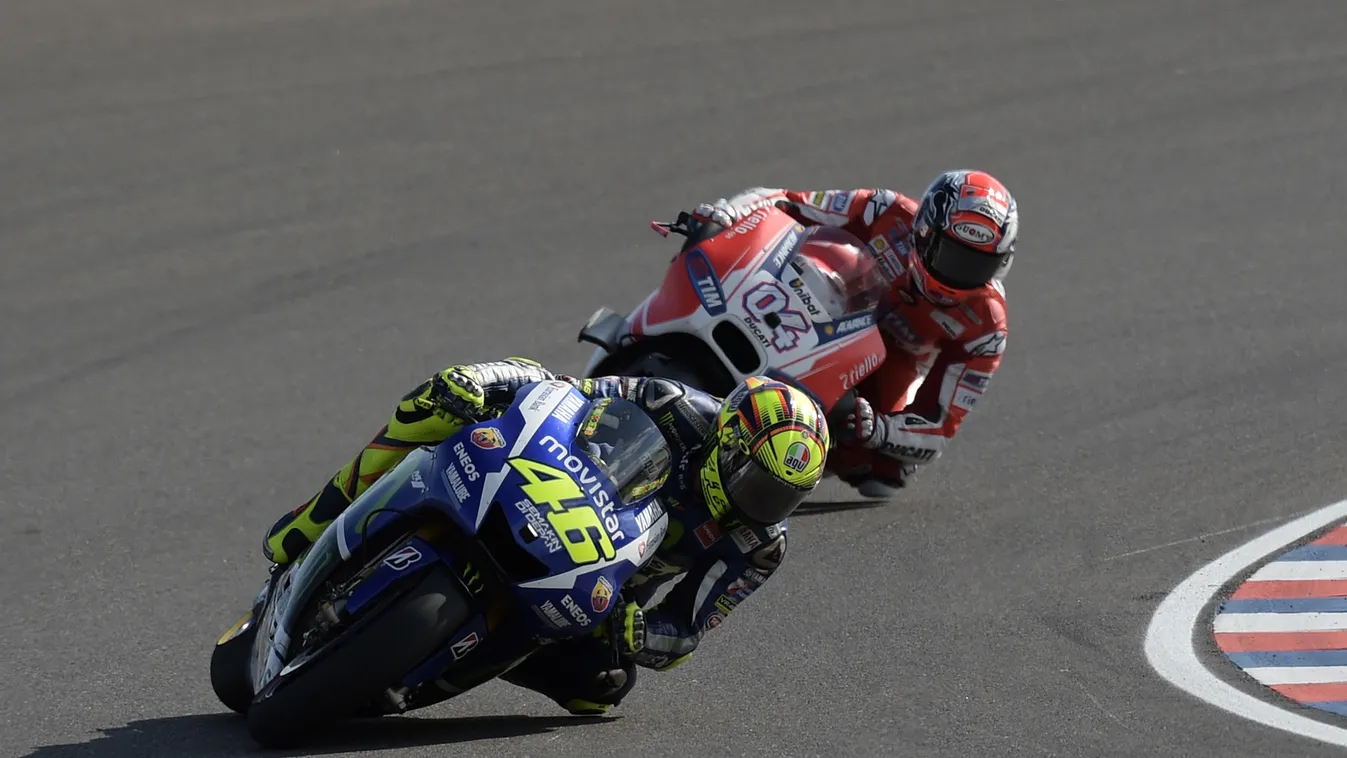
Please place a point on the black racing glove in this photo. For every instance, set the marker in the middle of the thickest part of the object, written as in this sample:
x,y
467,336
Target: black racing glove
x,y
865,427
625,629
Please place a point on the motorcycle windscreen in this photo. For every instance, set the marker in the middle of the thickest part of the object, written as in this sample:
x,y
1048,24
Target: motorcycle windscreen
x,y
845,277
627,445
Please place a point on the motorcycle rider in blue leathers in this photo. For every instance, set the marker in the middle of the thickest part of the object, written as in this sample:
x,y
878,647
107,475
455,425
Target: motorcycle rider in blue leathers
x,y
739,468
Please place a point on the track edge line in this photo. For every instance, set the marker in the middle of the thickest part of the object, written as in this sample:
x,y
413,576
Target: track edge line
x,y
1170,638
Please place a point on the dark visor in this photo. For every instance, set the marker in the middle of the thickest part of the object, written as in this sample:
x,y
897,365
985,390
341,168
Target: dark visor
x,y
759,496
954,264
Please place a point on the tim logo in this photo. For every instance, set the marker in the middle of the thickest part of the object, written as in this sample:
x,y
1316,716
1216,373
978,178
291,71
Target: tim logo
x,y
402,558
705,282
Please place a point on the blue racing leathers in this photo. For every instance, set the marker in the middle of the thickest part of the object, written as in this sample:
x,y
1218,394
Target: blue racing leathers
x,y
698,574
707,567
717,565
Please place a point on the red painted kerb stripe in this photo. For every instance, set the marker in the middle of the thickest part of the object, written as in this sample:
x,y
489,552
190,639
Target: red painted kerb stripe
x,y
1271,642
1291,589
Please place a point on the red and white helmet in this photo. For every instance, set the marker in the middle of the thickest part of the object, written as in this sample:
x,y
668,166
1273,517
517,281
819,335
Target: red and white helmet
x,y
964,234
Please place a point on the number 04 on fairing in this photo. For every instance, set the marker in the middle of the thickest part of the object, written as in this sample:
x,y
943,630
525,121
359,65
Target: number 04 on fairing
x,y
764,297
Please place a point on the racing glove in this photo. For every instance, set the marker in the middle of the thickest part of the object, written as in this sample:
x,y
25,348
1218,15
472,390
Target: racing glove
x,y
728,211
625,628
862,427
456,393
476,392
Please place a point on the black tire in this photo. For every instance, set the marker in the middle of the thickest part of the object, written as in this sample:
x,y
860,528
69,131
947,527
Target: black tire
x,y
229,668
656,362
688,375
362,664
845,405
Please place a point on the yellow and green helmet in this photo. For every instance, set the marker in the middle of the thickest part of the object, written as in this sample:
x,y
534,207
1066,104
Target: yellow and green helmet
x,y
767,455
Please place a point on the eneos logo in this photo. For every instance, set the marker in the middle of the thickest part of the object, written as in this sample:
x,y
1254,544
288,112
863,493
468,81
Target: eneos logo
x,y
465,460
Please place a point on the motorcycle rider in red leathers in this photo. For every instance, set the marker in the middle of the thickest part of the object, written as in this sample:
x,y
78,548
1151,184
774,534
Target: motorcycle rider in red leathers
x,y
943,322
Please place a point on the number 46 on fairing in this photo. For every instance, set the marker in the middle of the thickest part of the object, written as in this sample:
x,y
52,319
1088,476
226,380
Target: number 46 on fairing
x,y
579,526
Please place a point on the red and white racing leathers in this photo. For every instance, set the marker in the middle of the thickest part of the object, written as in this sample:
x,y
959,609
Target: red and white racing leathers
x,y
940,360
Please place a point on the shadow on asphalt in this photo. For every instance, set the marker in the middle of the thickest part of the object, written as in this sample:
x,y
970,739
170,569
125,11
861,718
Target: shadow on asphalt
x,y
807,510
222,735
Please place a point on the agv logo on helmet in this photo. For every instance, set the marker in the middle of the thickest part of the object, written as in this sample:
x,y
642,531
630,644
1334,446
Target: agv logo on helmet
x,y
771,446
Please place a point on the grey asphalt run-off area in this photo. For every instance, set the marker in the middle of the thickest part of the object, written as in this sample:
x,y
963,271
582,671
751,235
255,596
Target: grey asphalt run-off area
x,y
233,234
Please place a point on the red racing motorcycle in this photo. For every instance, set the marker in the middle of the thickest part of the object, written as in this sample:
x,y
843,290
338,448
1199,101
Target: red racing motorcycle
x,y
767,296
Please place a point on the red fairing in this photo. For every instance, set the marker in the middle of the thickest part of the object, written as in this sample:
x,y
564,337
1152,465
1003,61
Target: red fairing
x,y
733,250
738,248
843,273
675,299
838,372
635,323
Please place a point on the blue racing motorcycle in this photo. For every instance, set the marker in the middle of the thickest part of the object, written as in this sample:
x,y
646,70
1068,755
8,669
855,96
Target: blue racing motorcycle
x,y
453,568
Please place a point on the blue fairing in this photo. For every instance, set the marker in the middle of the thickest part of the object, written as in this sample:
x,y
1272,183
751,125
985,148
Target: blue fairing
x,y
412,556
569,578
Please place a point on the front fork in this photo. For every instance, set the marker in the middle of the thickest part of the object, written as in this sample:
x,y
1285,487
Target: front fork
x,y
248,619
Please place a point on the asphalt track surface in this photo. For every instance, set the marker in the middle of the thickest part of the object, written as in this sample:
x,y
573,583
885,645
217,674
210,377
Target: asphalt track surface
x,y
234,233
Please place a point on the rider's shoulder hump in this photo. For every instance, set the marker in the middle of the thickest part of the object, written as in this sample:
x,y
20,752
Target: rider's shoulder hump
x,y
990,309
765,546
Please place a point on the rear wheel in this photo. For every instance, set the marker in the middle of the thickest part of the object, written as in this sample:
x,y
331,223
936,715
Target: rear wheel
x,y
362,663
666,358
661,366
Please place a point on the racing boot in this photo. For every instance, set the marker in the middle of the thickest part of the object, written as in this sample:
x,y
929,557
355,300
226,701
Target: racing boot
x,y
582,674
886,477
296,530
607,687
429,414
874,475
624,634
875,488
578,707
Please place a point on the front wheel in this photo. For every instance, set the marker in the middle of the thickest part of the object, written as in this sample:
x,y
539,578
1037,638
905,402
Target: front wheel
x,y
364,662
229,668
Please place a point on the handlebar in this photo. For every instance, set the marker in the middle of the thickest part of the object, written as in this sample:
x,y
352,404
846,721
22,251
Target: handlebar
x,y
687,224
677,227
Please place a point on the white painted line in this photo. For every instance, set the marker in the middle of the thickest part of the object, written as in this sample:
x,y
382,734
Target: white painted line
x,y
1281,622
1287,571
1298,674
1170,640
